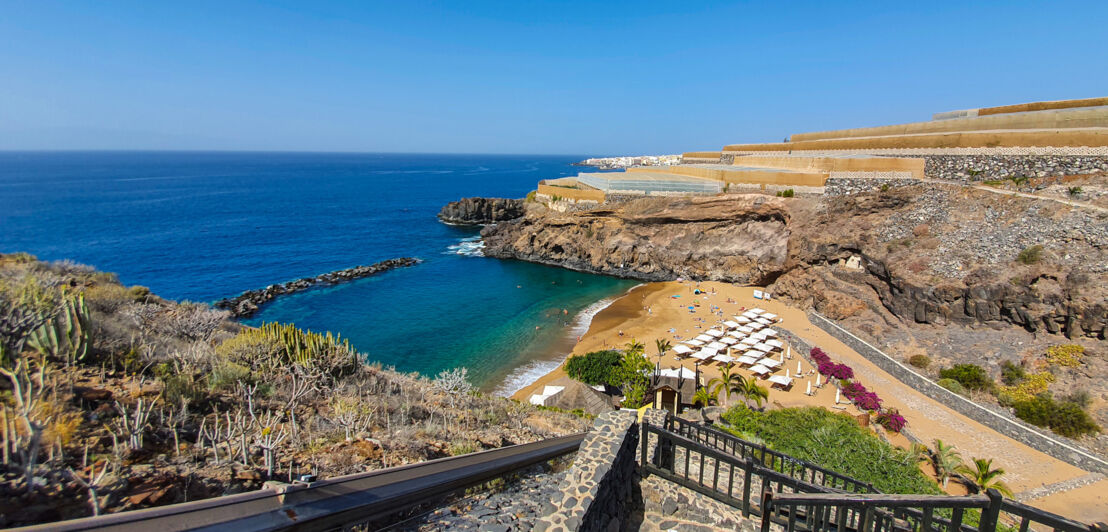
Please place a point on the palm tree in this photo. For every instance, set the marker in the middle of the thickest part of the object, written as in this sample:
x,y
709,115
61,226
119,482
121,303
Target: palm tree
x,y
983,474
946,461
918,453
635,347
663,345
727,383
704,397
752,391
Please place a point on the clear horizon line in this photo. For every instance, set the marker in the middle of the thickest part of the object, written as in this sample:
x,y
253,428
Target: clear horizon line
x,y
321,152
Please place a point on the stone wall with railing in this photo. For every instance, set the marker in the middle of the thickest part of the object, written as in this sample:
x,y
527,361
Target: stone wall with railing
x,y
598,491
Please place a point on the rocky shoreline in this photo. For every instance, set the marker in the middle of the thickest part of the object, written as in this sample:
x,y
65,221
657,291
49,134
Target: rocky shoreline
x,y
932,254
246,304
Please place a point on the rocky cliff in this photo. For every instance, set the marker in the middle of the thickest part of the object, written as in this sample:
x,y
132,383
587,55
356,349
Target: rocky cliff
x,y
932,254
732,238
472,211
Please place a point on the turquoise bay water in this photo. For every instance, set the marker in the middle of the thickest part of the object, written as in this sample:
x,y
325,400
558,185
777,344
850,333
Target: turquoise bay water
x,y
202,226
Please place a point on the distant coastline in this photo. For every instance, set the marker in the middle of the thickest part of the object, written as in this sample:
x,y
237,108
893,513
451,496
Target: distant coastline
x,y
615,163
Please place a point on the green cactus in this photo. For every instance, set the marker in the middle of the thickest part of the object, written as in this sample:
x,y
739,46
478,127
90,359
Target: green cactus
x,y
68,335
301,347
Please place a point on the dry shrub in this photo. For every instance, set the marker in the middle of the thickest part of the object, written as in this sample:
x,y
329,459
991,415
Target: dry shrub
x,y
107,298
64,423
921,230
188,321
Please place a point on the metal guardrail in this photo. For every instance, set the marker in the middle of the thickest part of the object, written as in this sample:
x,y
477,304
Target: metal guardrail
x,y
821,512
804,497
775,460
332,503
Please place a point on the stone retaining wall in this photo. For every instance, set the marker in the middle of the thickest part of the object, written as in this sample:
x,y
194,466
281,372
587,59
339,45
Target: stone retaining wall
x,y
1055,446
982,167
597,493
847,183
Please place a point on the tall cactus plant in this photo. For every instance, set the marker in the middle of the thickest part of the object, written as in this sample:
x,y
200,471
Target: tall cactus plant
x,y
68,335
304,347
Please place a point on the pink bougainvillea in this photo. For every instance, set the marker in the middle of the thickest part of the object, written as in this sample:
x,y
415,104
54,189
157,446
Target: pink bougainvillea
x,y
855,391
892,421
841,371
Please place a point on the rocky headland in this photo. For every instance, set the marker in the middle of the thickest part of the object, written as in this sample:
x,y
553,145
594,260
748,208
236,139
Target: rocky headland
x,y
474,211
248,302
928,254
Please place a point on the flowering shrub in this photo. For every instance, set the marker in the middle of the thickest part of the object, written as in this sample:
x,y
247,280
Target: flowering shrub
x,y
852,389
868,401
819,356
1065,355
841,371
891,421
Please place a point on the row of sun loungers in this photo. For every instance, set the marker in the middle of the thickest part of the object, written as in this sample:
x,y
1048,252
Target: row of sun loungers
x,y
750,331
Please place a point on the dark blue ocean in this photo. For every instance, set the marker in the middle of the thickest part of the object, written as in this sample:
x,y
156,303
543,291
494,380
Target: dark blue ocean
x,y
203,226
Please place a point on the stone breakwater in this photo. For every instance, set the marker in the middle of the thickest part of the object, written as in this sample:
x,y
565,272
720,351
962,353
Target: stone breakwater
x,y
247,303
473,211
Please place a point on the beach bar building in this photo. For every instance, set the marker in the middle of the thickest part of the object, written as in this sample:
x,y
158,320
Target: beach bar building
x,y
673,389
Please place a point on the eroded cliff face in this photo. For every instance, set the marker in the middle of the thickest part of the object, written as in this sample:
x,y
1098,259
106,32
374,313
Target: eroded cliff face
x,y
473,211
924,254
740,238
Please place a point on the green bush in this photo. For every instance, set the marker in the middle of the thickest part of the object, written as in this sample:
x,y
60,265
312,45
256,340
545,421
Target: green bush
x,y
530,196
1074,191
952,385
1012,373
920,361
835,441
1063,417
597,367
1031,254
1081,397
971,376
224,376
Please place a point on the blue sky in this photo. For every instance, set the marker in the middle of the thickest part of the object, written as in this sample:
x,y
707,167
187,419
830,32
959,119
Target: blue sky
x,y
520,77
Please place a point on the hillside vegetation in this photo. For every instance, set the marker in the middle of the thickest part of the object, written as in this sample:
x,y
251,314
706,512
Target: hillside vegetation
x,y
112,398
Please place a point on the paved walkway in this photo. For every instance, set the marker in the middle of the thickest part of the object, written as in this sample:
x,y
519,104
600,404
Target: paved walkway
x,y
1027,470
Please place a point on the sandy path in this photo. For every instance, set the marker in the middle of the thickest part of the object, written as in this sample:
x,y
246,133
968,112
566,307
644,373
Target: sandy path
x,y
669,318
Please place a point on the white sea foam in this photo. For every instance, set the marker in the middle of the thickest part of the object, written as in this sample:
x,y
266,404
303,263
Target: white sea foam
x,y
468,247
519,378
528,373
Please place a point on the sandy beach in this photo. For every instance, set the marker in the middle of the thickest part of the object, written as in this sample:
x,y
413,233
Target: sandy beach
x,y
660,311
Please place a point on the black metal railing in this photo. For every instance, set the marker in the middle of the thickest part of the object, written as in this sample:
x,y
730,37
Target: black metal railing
x,y
804,497
920,513
794,467
826,512
737,480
